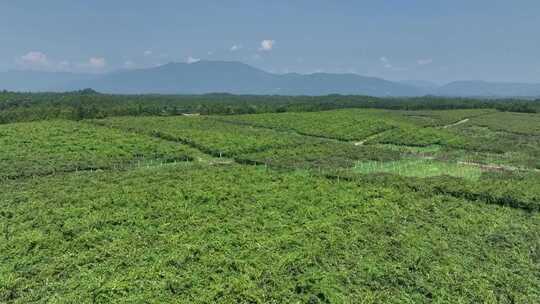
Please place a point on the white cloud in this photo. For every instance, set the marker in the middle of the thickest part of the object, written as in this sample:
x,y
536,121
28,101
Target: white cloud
x,y
235,48
387,64
192,60
34,59
97,62
267,45
425,61
129,64
63,65
147,53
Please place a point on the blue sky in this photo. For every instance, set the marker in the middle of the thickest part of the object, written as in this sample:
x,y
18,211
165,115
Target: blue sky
x,y
430,40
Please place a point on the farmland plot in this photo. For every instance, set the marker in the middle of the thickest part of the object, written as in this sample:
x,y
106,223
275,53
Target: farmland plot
x,y
38,148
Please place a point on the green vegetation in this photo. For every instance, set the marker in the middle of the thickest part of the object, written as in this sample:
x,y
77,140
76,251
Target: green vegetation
x,y
350,125
420,168
241,234
321,155
40,148
211,136
85,104
341,124
520,123
404,204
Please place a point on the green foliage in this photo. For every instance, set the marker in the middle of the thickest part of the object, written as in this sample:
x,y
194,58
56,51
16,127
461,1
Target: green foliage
x,y
211,136
340,124
440,118
514,138
39,148
415,136
17,107
419,168
516,189
369,206
517,123
353,124
323,155
238,234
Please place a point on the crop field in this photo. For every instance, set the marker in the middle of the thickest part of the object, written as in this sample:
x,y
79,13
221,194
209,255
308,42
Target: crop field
x,y
520,123
420,168
39,148
351,125
212,136
338,206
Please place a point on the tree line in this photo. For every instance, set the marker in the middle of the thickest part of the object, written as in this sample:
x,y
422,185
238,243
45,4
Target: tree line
x,y
83,104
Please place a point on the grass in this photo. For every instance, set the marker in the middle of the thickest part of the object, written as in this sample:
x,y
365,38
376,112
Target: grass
x,y
419,168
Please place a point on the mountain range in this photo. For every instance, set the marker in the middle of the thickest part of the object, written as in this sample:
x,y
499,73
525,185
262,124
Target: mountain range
x,y
239,78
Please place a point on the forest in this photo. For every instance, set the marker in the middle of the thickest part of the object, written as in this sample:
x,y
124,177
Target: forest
x,y
87,103
221,198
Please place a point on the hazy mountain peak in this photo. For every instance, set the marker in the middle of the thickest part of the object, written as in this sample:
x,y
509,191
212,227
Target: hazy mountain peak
x,y
207,76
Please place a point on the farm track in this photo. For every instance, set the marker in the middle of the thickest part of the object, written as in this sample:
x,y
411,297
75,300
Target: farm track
x,y
329,139
497,167
282,130
372,136
456,123
464,120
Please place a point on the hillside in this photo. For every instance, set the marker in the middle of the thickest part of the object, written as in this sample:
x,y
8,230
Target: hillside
x,y
485,88
207,77
239,78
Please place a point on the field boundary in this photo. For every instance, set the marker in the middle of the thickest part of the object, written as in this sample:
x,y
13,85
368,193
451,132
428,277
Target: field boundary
x,y
283,130
120,166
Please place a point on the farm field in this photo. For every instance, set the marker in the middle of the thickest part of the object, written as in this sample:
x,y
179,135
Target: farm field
x,y
39,148
338,206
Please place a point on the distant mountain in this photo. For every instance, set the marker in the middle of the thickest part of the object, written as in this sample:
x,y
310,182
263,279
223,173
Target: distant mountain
x,y
206,77
239,78
184,78
484,88
427,86
325,83
35,81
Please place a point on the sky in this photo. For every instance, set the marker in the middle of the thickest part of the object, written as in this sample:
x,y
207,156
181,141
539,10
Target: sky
x,y
432,40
